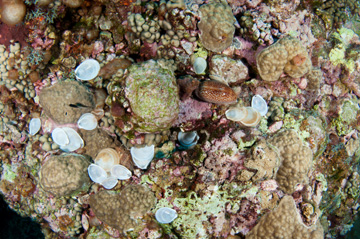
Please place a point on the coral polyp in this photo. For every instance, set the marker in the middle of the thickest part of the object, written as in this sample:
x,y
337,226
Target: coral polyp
x,y
180,118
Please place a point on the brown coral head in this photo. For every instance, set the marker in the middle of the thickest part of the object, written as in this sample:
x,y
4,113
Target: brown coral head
x,y
298,60
216,92
221,34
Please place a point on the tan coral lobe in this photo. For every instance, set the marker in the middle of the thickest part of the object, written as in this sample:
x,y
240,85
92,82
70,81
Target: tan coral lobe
x,y
216,92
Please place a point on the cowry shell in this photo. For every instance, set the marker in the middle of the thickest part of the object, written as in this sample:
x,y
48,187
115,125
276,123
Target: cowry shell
x,y
87,70
75,141
109,182
165,215
60,137
87,121
142,156
247,116
96,173
199,65
120,172
34,126
258,103
188,139
107,158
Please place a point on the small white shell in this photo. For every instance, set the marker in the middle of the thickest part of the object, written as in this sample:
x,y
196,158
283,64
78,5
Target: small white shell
x,y
199,65
87,70
87,121
120,172
109,182
60,137
34,126
188,139
165,215
75,141
259,104
142,156
247,116
96,173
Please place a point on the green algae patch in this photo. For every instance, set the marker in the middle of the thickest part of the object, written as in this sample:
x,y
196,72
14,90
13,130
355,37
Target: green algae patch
x,y
8,172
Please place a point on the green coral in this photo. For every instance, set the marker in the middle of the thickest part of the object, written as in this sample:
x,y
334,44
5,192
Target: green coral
x,y
347,115
342,54
153,96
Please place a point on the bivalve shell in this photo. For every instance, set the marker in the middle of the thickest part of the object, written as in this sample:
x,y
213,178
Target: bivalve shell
x,y
107,158
75,141
34,126
199,65
188,139
87,121
87,70
165,215
120,172
59,136
96,173
258,103
142,156
109,182
247,116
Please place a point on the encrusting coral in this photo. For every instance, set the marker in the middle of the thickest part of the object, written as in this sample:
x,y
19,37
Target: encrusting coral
x,y
71,100
285,222
120,210
216,26
285,56
296,160
65,174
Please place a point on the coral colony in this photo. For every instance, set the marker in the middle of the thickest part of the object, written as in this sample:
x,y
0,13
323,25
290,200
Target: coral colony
x,y
181,118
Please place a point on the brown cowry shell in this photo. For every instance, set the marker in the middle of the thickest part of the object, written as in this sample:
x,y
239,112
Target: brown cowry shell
x,y
215,92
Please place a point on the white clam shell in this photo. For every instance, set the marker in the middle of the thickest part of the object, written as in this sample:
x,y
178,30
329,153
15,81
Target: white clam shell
x,y
96,173
87,121
259,104
107,158
188,138
165,215
87,70
199,65
75,141
109,182
120,172
34,126
247,116
142,156
60,137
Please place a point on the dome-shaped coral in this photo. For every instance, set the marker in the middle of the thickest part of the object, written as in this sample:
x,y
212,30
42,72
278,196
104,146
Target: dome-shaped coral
x,y
216,26
153,96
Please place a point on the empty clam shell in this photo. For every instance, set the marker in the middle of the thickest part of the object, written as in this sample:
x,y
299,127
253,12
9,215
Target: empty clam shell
x,y
259,104
87,70
96,173
75,141
34,126
165,215
87,121
60,137
109,182
199,65
107,158
188,139
142,156
247,116
120,172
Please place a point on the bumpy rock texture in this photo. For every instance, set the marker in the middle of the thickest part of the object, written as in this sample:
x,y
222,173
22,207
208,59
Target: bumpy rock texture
x,y
65,102
65,174
120,210
285,56
296,160
285,222
216,26
153,95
